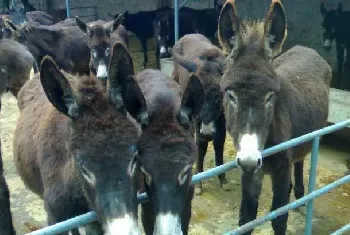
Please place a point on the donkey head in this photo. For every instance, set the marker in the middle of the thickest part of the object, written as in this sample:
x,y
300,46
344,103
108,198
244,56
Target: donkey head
x,y
100,44
329,24
167,152
162,31
102,142
209,69
250,84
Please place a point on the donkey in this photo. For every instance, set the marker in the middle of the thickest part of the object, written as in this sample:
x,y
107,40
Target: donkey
x,y
267,104
16,62
101,36
6,225
82,154
67,45
163,27
141,24
194,53
167,151
335,27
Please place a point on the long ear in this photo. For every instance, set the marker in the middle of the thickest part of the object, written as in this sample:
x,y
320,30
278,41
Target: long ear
x,y
122,87
82,25
340,7
228,29
111,28
192,100
323,9
57,88
134,101
188,64
276,27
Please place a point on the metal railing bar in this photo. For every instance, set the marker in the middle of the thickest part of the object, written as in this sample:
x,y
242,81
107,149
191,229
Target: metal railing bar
x,y
342,230
282,210
176,15
183,3
68,8
67,225
312,184
212,172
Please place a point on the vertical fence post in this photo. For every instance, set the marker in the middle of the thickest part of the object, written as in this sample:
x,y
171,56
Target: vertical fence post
x,y
68,8
312,184
176,15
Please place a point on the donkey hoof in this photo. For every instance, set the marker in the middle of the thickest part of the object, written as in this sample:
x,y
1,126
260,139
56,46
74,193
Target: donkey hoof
x,y
225,186
198,191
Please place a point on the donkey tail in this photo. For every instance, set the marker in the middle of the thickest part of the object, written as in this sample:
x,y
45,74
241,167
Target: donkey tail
x,y
35,66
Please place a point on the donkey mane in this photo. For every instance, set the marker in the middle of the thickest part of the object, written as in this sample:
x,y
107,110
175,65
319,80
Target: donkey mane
x,y
252,31
87,89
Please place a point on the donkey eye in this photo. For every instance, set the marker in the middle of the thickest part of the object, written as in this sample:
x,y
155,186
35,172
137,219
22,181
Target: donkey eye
x,y
232,97
269,99
88,175
148,177
108,51
94,53
183,175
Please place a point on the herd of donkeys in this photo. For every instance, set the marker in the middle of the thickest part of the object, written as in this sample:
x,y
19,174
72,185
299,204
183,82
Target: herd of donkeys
x,y
92,134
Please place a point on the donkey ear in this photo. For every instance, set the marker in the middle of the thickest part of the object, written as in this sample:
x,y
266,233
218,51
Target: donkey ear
x,y
340,7
82,25
123,90
126,13
134,101
57,88
276,27
114,26
228,29
323,9
192,100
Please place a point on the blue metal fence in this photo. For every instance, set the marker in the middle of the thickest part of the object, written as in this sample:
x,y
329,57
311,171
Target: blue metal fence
x,y
314,136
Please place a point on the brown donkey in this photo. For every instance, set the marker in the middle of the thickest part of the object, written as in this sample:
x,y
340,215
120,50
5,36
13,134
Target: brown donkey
x,y
80,154
102,35
6,225
194,53
167,151
268,104
16,62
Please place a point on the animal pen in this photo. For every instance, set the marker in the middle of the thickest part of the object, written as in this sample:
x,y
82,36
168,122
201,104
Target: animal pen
x,y
308,199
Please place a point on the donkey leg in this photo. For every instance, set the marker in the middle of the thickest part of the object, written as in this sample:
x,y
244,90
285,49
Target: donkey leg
x,y
281,178
251,190
187,212
157,56
219,142
299,183
57,210
144,49
202,146
93,228
340,62
148,218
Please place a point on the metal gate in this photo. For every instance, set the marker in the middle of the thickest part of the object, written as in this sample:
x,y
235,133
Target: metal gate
x,y
309,198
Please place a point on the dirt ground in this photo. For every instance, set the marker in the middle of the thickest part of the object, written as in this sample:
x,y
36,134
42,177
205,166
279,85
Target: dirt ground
x,y
214,212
